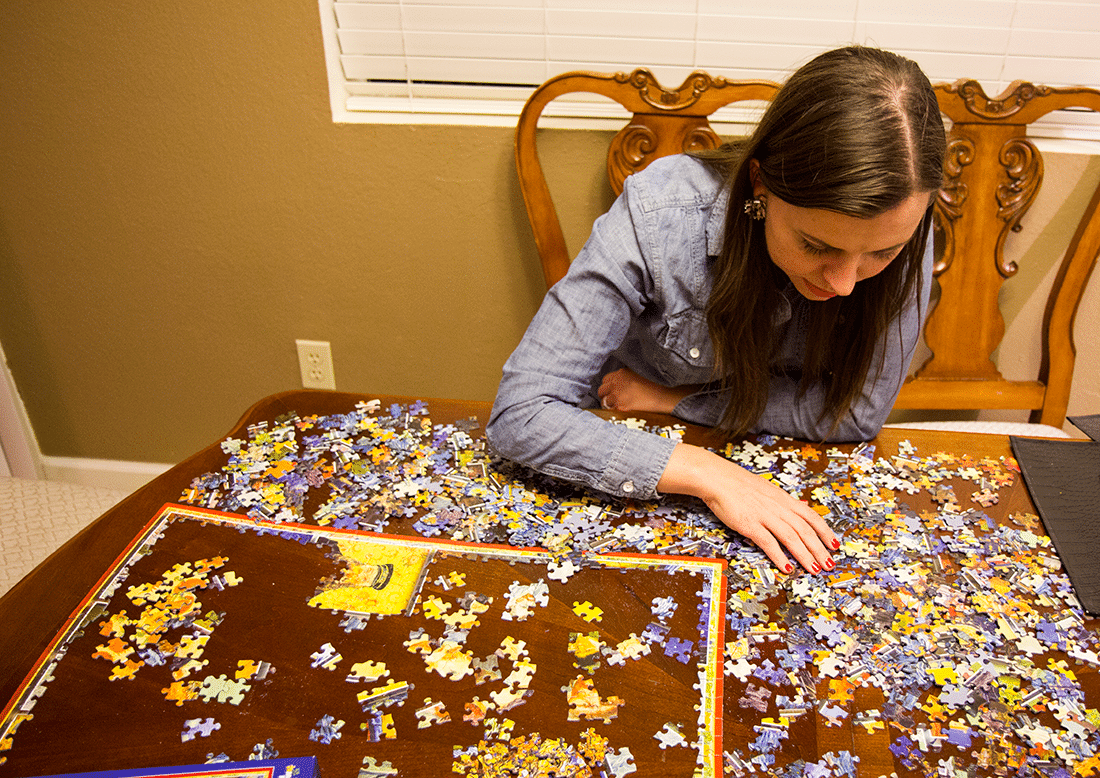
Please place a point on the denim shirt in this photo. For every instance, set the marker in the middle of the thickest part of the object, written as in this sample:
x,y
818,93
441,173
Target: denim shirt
x,y
636,297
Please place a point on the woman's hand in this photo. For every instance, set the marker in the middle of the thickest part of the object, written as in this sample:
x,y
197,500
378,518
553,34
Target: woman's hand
x,y
752,506
625,390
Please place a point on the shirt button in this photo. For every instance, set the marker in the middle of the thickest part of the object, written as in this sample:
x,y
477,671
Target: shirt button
x,y
628,486
694,353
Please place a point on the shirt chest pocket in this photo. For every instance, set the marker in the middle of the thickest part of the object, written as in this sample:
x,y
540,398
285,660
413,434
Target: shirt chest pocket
x,y
688,348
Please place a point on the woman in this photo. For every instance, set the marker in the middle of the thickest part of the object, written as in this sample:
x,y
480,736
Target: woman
x,y
776,286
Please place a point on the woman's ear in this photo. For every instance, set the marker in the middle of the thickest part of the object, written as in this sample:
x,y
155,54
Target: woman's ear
x,y
758,189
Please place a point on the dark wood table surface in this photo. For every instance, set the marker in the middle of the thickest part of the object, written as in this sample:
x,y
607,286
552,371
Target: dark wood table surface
x,y
820,742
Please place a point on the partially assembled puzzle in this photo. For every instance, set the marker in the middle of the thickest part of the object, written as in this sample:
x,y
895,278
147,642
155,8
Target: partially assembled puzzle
x,y
413,652
382,592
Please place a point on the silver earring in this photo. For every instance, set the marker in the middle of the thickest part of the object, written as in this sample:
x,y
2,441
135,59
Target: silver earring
x,y
756,208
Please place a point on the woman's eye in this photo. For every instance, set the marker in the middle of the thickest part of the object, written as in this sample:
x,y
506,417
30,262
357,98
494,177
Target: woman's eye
x,y
813,250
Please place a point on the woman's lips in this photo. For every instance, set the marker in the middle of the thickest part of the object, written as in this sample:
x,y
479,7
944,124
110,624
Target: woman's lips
x,y
818,291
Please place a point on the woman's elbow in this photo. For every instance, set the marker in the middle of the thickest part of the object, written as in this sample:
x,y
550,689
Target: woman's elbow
x,y
511,431
500,432
858,426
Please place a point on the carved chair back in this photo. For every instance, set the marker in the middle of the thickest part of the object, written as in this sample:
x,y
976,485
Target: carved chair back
x,y
992,174
663,122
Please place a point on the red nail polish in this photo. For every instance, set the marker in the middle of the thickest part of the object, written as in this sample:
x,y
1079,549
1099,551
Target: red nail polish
x,y
835,544
829,564
816,568
789,568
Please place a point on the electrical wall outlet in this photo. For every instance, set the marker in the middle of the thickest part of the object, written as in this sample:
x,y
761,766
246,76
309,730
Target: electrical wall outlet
x,y
315,362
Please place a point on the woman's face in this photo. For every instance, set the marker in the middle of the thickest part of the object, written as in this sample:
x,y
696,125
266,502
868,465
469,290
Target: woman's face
x,y
825,253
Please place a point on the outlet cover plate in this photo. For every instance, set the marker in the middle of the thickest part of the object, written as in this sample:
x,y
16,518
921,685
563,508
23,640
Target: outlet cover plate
x,y
315,363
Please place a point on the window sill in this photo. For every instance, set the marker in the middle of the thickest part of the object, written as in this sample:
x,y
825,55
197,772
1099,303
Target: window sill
x,y
1068,132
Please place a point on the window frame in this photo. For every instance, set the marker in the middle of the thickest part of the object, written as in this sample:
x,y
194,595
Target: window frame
x,y
496,105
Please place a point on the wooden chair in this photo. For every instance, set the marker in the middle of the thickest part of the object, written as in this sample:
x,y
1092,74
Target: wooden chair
x,y
992,175
993,172
664,122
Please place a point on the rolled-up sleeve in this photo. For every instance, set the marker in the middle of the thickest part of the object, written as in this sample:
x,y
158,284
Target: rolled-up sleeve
x,y
537,419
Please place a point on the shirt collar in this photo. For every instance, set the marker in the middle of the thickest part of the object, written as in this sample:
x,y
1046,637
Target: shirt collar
x,y
783,311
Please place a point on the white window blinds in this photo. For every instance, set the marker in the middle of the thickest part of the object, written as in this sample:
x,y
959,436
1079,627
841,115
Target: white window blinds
x,y
475,61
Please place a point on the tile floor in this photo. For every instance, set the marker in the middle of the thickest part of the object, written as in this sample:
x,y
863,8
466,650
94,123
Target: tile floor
x,y
36,517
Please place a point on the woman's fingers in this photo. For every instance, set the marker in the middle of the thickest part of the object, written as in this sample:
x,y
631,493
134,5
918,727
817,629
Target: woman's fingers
x,y
607,386
774,532
768,543
625,390
759,510
799,538
813,531
774,521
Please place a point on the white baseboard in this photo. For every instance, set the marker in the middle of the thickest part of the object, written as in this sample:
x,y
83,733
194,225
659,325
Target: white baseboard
x,y
101,473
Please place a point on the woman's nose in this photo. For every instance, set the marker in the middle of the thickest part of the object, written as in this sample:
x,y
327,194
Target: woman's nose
x,y
842,275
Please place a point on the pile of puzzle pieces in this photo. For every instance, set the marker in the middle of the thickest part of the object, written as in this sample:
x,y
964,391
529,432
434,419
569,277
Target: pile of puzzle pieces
x,y
544,758
951,616
168,605
968,628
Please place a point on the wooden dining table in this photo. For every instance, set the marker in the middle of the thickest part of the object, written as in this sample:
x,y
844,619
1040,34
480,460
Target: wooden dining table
x,y
358,578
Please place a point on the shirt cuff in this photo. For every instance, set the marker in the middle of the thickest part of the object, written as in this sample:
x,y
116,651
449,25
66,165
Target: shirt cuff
x,y
636,465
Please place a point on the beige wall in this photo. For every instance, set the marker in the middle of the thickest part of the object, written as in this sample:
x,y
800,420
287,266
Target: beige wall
x,y
176,207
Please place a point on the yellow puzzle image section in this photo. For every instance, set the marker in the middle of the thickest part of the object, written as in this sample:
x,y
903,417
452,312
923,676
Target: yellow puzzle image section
x,y
380,578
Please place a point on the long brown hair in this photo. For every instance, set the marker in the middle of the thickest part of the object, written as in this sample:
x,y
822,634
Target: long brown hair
x,y
856,131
